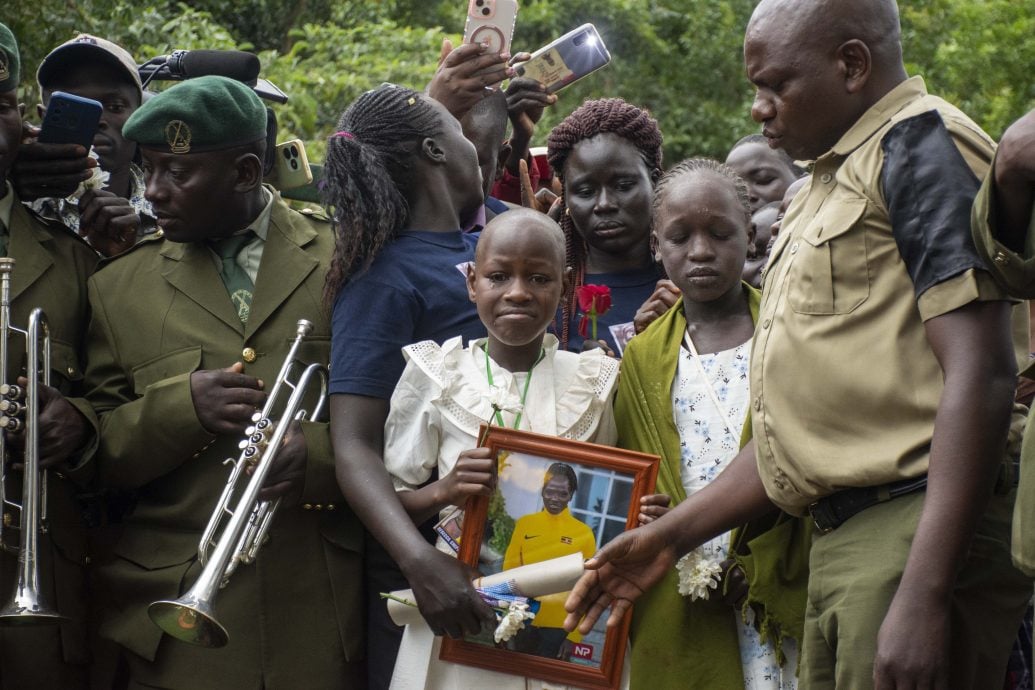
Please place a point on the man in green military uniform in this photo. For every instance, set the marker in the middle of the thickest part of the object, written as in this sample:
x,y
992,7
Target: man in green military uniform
x,y
50,272
188,334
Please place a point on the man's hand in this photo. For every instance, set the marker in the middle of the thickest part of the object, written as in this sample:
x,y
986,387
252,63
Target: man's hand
x,y
544,200
108,222
48,170
445,596
913,644
466,74
619,574
226,399
286,477
664,297
62,428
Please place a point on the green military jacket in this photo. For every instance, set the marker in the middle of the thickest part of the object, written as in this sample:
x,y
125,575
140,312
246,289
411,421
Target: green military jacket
x,y
51,269
161,312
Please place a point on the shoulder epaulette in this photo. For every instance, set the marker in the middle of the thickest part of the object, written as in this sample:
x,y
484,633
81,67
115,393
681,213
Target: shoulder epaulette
x,y
156,237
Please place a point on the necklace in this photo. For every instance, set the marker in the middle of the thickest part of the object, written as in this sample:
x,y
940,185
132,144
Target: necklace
x,y
524,393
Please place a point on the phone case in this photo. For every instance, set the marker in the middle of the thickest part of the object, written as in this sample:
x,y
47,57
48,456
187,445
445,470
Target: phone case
x,y
292,167
491,22
70,119
566,60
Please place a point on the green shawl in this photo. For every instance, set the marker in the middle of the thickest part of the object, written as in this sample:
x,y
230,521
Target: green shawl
x,y
677,643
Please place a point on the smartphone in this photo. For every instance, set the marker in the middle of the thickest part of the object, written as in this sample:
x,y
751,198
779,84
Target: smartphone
x,y
491,22
566,60
70,120
291,169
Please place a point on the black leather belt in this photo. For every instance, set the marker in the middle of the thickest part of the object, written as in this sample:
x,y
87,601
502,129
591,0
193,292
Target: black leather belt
x,y
830,512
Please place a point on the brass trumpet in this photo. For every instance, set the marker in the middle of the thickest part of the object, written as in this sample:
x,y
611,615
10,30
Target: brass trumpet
x,y
191,618
27,605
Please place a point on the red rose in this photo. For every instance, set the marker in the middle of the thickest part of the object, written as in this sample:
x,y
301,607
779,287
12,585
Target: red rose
x,y
594,299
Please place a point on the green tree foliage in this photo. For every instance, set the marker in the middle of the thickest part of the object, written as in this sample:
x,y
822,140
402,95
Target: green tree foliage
x,y
681,59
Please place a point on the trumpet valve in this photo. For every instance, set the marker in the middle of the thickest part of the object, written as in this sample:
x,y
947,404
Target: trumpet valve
x,y
10,391
11,408
12,424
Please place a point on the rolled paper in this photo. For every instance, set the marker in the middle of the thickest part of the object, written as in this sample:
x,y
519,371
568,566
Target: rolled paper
x,y
534,580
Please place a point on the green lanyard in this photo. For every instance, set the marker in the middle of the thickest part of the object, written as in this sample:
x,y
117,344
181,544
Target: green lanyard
x,y
524,393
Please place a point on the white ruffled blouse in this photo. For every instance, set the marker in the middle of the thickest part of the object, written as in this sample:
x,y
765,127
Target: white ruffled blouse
x,y
444,396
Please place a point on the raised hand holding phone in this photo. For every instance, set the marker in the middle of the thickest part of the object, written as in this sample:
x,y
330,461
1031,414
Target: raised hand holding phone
x,y
491,23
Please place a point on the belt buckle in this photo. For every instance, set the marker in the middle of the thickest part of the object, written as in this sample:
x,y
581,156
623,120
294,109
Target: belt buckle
x,y
821,517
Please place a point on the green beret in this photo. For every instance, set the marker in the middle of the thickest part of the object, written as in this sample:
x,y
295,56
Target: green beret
x,y
201,114
10,63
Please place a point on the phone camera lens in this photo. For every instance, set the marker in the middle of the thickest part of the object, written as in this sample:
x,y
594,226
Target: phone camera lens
x,y
486,11
580,39
479,3
287,154
294,164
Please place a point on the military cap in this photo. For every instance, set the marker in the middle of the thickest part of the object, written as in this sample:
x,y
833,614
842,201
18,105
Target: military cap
x,y
84,49
202,114
10,63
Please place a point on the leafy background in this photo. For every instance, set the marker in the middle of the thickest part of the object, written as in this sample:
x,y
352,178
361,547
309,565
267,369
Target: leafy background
x,y
679,58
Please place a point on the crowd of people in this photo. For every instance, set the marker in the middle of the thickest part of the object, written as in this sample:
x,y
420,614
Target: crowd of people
x,y
819,338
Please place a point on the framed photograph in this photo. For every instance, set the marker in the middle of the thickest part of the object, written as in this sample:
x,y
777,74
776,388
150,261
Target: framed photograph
x,y
554,497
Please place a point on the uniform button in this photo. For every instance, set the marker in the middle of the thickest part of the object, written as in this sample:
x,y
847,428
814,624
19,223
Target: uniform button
x,y
1001,259
766,323
825,178
249,355
159,233
794,248
71,371
758,403
307,506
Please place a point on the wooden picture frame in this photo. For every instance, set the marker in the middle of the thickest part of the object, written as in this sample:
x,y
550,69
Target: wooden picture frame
x,y
610,482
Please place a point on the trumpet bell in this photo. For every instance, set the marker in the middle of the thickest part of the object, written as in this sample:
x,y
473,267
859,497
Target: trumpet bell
x,y
188,621
27,608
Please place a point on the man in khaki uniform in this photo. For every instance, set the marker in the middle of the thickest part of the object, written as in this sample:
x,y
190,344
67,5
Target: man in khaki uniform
x,y
186,339
882,372
50,272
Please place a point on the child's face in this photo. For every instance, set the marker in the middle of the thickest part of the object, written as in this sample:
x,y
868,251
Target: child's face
x,y
10,131
703,235
608,191
764,171
516,283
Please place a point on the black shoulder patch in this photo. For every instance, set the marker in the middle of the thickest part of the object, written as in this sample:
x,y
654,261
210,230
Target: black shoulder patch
x,y
929,189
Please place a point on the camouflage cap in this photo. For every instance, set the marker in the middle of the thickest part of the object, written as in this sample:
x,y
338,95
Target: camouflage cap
x,y
203,114
83,49
10,63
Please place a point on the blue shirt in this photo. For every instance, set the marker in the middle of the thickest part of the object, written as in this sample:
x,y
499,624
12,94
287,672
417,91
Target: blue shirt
x,y
629,290
416,289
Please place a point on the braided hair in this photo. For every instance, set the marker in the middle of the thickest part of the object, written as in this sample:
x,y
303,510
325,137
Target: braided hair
x,y
603,116
703,166
368,168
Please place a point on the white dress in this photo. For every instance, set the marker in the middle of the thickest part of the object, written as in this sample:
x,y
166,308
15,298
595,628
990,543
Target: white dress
x,y
438,405
707,446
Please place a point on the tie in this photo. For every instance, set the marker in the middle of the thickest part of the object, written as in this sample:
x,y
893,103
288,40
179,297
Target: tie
x,y
238,285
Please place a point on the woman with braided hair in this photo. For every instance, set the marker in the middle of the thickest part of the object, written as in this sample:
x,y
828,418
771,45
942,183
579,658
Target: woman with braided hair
x,y
400,181
607,155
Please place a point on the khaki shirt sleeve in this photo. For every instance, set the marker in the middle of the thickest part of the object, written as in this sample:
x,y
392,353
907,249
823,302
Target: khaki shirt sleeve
x,y
1015,272
970,286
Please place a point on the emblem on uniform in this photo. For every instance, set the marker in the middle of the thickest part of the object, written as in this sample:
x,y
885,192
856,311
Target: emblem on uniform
x,y
242,300
177,134
5,71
